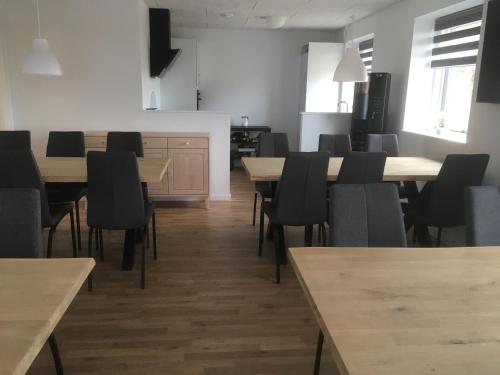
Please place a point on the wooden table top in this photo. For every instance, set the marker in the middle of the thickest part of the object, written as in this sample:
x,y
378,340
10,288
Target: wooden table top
x,y
396,169
34,295
75,169
405,311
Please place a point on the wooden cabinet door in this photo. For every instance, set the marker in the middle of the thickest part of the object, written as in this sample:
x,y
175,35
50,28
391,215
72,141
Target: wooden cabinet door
x,y
157,188
188,173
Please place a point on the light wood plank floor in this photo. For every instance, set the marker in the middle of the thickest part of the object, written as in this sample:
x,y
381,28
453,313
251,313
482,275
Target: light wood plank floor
x,y
211,305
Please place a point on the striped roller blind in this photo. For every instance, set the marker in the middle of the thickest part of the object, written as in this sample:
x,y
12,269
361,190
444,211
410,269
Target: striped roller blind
x,y
366,52
456,38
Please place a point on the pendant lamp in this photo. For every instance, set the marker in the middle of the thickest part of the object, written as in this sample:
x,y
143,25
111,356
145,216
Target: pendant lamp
x,y
40,59
351,68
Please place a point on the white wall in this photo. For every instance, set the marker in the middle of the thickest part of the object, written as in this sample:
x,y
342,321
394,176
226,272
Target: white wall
x,y
99,44
254,73
312,125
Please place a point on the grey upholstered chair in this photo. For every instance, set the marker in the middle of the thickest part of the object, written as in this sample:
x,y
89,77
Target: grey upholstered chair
x,y
387,143
482,208
15,140
271,145
21,233
337,145
300,200
363,216
362,168
441,203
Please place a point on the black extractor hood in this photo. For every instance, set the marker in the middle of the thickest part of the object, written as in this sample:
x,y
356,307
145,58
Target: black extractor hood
x,y
161,54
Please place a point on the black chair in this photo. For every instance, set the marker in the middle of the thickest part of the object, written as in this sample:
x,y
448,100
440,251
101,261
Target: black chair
x,y
18,169
337,145
441,203
15,140
21,232
67,144
387,143
482,208
115,199
270,145
362,168
363,216
300,200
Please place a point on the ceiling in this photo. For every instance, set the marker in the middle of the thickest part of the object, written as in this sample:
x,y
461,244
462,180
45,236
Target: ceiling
x,y
300,14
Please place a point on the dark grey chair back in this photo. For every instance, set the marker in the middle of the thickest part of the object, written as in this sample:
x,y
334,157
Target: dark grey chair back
x,y
337,145
20,223
18,169
15,140
366,216
273,145
387,143
444,202
362,168
301,195
482,207
115,199
125,142
66,144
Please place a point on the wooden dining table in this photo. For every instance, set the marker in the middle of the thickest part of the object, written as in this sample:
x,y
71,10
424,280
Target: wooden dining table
x,y
406,169
405,311
34,295
70,169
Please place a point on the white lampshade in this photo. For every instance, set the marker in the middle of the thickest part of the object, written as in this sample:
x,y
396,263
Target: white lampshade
x,y
351,67
41,60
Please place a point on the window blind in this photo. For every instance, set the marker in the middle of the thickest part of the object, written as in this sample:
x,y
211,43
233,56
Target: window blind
x,y
366,53
456,38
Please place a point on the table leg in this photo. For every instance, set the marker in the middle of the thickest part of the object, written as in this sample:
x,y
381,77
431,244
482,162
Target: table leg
x,y
128,250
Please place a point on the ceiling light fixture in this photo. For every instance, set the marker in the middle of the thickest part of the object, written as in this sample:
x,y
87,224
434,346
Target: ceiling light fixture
x,y
274,22
351,68
40,59
227,15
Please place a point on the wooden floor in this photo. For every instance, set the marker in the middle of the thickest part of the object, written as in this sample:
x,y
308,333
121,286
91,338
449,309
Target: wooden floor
x,y
211,305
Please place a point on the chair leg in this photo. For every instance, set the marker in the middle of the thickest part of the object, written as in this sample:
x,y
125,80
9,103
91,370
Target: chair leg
x,y
55,354
147,236
279,246
155,255
254,208
97,240
73,235
143,262
89,279
49,242
261,231
414,235
101,245
319,233
308,235
319,351
440,232
322,228
78,230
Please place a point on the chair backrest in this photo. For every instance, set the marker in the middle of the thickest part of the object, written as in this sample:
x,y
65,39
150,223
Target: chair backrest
x,y
125,142
482,208
18,169
366,216
387,143
20,223
337,145
301,194
66,144
15,140
443,199
115,199
273,145
362,168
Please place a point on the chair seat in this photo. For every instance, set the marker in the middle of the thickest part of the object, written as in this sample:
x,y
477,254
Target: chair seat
x,y
149,208
265,189
57,193
57,213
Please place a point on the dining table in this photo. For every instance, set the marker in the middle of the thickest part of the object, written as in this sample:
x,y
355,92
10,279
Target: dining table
x,y
34,295
74,169
394,311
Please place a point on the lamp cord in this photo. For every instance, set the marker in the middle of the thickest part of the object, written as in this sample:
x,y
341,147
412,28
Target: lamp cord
x,y
38,18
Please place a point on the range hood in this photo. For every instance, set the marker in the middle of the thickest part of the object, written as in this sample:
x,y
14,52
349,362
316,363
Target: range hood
x,y
161,54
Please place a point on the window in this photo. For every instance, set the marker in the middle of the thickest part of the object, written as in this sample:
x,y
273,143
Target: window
x,y
453,64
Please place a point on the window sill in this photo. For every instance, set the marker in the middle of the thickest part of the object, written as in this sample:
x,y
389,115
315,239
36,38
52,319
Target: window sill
x,y
444,135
